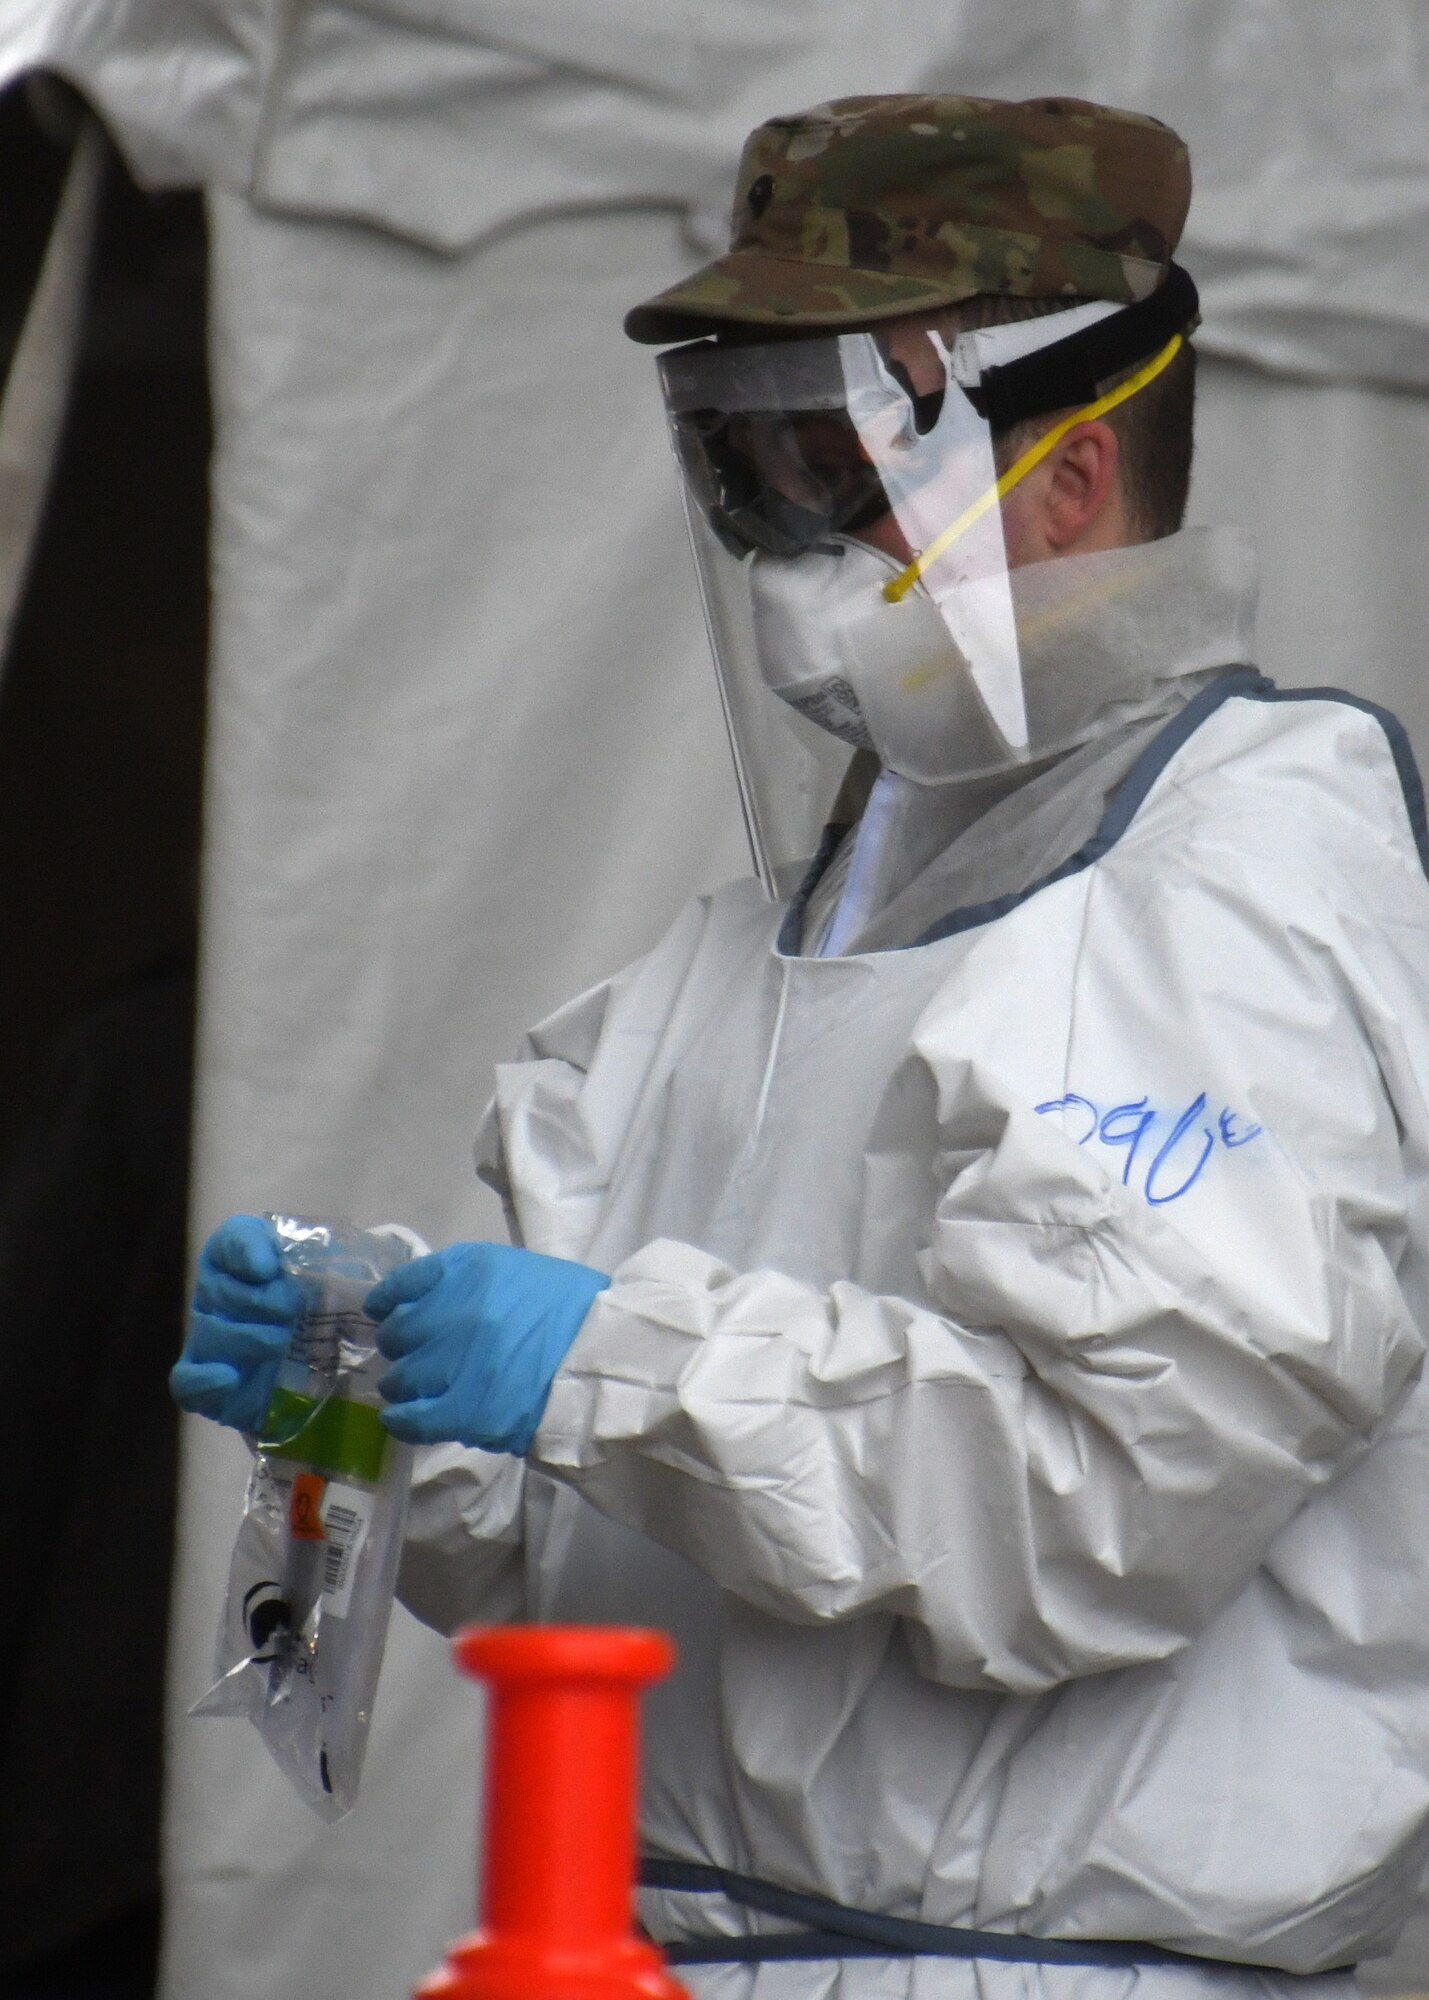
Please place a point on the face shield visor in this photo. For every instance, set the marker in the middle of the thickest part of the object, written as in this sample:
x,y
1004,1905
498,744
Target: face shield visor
x,y
843,497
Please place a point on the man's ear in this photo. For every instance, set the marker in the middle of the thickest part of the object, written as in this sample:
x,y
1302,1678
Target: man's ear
x,y
1080,485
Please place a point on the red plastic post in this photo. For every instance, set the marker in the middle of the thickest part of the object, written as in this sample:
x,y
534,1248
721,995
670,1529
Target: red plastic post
x,y
559,1847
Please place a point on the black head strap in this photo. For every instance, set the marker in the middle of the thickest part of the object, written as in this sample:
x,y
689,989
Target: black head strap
x,y
1071,371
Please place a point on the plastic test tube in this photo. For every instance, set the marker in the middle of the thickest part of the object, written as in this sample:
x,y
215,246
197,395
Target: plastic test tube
x,y
559,1846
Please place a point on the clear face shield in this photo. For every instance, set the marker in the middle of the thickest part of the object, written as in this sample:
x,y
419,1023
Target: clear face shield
x,y
851,560
843,498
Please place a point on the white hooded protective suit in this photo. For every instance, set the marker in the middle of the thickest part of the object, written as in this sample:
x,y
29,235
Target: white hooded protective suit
x,y
1008,1392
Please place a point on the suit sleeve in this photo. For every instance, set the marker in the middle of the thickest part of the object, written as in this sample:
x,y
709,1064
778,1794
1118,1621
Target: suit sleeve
x,y
1115,1387
463,1557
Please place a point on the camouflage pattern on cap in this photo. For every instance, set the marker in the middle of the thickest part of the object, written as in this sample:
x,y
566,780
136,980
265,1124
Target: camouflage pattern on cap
x,y
872,206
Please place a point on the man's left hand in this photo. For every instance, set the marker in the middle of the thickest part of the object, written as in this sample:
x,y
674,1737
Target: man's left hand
x,y
476,1333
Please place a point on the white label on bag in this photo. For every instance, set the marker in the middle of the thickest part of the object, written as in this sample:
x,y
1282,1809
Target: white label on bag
x,y
346,1516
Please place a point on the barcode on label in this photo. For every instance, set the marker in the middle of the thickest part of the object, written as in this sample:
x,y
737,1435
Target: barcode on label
x,y
346,1513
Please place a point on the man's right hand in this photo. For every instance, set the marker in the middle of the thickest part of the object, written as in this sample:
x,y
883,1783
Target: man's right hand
x,y
243,1315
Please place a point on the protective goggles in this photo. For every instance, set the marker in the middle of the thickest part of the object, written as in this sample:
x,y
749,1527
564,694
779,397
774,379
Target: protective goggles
x,y
786,445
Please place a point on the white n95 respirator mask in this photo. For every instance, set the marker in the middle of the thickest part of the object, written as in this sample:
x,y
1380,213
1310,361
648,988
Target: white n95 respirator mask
x,y
887,677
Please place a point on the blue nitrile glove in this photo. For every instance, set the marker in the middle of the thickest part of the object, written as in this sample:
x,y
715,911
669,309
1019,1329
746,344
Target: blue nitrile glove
x,y
477,1332
242,1319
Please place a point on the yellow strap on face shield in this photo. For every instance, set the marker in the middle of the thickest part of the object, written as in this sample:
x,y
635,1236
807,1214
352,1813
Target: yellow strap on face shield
x,y
898,587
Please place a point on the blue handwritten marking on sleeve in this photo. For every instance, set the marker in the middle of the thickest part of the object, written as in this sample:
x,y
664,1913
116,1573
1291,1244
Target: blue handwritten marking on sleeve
x,y
1179,1131
1127,1125
1231,1136
1191,1139
1083,1104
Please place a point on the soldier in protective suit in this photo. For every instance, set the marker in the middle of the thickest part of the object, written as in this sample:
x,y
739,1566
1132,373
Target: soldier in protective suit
x,y
969,1286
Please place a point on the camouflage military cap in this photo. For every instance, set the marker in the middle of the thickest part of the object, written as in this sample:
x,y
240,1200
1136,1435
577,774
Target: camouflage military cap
x,y
872,206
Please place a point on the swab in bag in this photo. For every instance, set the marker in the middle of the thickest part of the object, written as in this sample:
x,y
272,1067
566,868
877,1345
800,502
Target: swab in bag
x,y
314,1565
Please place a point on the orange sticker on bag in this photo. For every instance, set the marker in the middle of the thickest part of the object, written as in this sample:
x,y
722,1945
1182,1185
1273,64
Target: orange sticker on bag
x,y
305,1508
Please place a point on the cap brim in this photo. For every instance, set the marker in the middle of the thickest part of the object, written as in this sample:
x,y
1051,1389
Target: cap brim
x,y
748,288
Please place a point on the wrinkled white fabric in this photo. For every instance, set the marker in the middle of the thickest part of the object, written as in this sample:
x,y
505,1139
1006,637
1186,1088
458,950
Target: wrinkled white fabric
x,y
448,121
1008,1390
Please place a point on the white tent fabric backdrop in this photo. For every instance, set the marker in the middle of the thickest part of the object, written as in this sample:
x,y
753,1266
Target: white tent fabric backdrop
x,y
465,752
